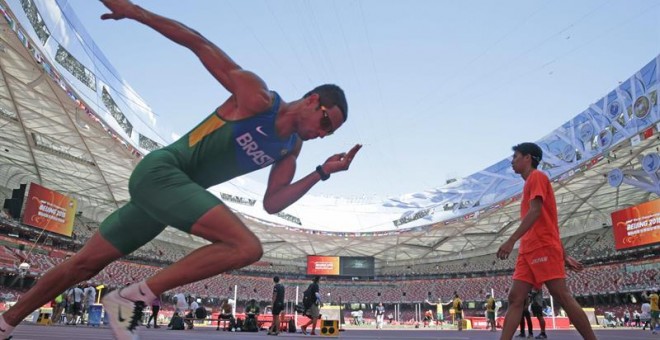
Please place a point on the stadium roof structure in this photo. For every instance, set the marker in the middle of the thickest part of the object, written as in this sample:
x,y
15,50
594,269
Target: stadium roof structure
x,y
67,125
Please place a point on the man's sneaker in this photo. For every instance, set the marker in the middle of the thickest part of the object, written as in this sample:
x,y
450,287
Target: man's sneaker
x,y
5,329
541,336
521,335
124,315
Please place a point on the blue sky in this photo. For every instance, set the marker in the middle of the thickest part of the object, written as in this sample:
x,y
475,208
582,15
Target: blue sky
x,y
436,89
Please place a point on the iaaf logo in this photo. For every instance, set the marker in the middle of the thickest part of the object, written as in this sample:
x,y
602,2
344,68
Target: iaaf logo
x,y
251,149
540,259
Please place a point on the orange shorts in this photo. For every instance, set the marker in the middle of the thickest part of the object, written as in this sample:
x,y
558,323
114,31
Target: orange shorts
x,y
540,265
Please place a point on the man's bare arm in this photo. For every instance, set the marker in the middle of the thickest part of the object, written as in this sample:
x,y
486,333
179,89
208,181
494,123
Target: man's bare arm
x,y
281,192
527,222
250,91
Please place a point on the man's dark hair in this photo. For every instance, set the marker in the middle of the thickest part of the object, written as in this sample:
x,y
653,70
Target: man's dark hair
x,y
276,279
331,95
316,279
532,150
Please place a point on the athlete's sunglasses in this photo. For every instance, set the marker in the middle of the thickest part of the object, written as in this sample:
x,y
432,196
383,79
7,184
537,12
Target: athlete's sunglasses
x,y
326,123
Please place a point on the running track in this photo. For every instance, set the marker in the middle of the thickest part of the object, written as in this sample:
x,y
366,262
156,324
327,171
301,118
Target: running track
x,y
37,332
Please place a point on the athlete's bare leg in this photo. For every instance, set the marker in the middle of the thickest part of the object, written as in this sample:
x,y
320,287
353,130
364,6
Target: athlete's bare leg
x,y
562,294
234,246
91,259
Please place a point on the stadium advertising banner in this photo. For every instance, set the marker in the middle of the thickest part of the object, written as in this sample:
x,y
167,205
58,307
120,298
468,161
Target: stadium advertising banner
x,y
340,265
322,265
637,226
49,210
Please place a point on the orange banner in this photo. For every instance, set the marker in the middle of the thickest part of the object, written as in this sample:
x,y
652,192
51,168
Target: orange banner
x,y
322,265
637,226
49,210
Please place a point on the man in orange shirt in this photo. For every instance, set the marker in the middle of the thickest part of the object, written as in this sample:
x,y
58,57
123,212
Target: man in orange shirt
x,y
541,258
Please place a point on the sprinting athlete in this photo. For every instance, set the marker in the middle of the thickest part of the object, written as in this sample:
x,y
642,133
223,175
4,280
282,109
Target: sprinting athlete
x,y
254,128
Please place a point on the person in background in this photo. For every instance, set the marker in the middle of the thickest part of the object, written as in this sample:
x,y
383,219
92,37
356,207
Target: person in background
x,y
541,256
278,306
89,298
180,303
654,309
490,313
314,311
176,323
190,316
526,317
457,304
59,308
155,308
226,314
380,315
536,305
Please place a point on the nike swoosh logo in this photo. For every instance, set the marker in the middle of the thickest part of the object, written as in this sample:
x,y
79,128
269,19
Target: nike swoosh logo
x,y
261,131
2,330
119,314
141,292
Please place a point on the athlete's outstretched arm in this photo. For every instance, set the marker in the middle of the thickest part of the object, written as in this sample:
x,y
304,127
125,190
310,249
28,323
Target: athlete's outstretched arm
x,y
438,303
250,91
281,193
431,303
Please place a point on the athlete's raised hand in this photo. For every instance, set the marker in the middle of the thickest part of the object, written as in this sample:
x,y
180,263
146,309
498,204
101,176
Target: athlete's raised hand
x,y
341,161
120,9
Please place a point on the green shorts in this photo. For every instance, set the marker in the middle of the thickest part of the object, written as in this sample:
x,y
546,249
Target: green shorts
x,y
491,315
161,195
655,314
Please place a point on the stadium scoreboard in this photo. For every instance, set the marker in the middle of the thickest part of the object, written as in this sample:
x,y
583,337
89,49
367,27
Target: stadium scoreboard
x,y
362,266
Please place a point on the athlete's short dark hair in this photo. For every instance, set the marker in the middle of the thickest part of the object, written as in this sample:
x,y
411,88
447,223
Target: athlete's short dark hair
x,y
331,95
532,150
276,279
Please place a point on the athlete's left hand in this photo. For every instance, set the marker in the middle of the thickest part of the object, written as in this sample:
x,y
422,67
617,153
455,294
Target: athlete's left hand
x,y
505,250
341,161
573,264
120,9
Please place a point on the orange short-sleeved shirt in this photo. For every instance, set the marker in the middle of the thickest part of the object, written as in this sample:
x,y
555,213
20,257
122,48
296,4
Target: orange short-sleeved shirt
x,y
545,231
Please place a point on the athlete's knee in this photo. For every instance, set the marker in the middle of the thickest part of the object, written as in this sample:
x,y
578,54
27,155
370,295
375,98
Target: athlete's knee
x,y
562,297
250,251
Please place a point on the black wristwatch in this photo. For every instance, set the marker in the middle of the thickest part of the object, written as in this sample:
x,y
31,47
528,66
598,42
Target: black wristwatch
x,y
322,173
